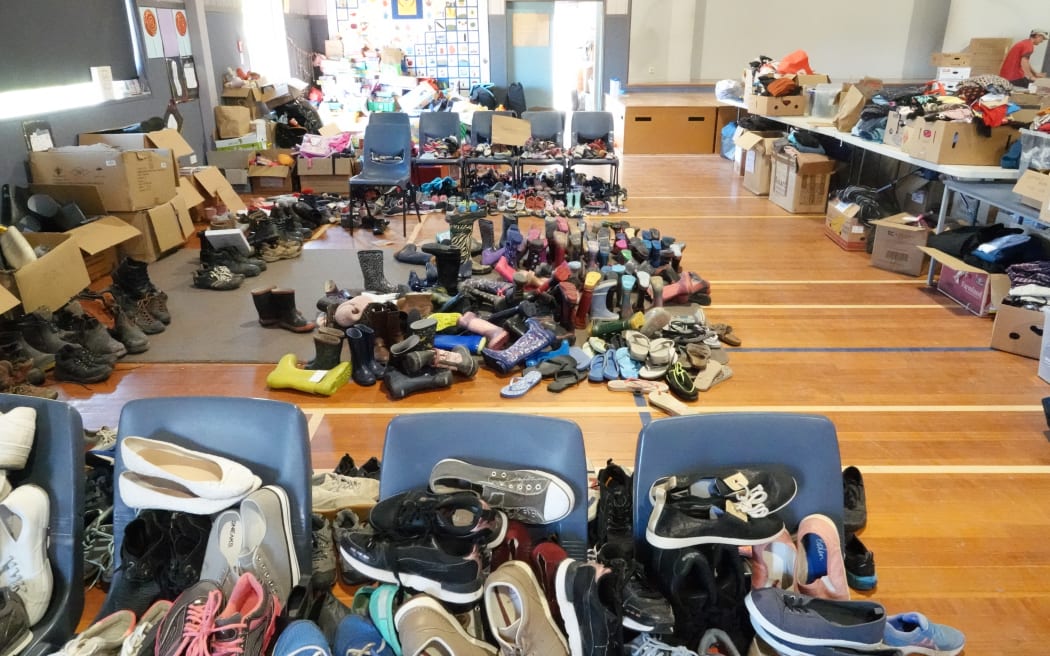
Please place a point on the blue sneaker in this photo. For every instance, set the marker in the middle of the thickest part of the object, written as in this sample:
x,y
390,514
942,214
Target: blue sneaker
x,y
381,608
303,638
913,633
357,635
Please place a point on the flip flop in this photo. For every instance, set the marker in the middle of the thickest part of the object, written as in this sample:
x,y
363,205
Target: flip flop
x,y
597,368
706,378
725,333
637,385
662,354
551,366
724,374
628,367
610,370
520,385
637,344
564,379
670,404
699,355
681,383
583,360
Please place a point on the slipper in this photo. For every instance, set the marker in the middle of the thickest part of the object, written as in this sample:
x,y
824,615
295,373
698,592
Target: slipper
x,y
699,355
637,344
628,366
637,385
662,354
519,385
583,359
725,333
706,378
564,379
552,366
610,370
681,383
670,404
596,369
719,354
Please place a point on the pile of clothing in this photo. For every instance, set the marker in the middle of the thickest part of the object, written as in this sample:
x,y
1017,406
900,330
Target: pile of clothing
x,y
993,248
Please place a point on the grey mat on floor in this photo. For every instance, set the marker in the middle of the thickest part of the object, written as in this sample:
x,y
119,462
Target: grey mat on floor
x,y
212,326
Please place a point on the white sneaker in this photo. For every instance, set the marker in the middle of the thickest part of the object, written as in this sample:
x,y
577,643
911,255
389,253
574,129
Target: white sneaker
x,y
205,475
17,428
138,491
333,492
5,486
144,627
103,638
24,567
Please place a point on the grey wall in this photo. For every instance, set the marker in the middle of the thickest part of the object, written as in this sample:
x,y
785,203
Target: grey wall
x,y
498,50
300,47
929,20
615,50
224,30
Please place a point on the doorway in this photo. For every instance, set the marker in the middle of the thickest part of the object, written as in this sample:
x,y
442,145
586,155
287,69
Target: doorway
x,y
554,50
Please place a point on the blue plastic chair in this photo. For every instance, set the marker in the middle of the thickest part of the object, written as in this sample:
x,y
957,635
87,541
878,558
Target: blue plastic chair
x,y
269,437
481,133
434,126
386,161
807,445
585,127
549,126
56,464
415,443
388,118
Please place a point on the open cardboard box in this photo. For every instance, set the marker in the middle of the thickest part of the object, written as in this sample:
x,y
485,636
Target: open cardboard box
x,y
276,179
758,153
166,139
800,184
50,281
128,180
160,229
971,287
1018,330
844,227
897,242
950,142
1034,190
213,188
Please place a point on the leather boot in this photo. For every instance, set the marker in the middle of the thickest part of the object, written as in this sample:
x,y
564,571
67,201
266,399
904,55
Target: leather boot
x,y
328,349
534,340
371,262
490,254
600,301
282,305
473,343
448,264
399,385
584,306
288,376
361,357
627,283
495,336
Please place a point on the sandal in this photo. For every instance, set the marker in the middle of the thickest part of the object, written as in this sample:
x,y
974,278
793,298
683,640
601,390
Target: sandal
x,y
637,385
637,344
520,385
681,383
662,354
715,373
669,404
628,367
699,355
725,333
597,368
564,379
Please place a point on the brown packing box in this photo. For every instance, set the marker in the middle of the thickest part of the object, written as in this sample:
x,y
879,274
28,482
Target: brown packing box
x,y
165,139
314,166
232,163
800,185
758,151
232,122
897,242
160,230
275,179
128,180
53,278
274,95
950,59
1033,188
326,175
215,188
246,96
98,240
975,289
842,226
949,142
1018,331
782,106
987,54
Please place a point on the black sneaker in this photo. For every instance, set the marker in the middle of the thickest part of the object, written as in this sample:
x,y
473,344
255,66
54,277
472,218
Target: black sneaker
x,y
588,598
420,564
855,504
687,581
225,257
216,277
756,491
644,608
189,541
322,555
14,623
76,364
860,564
689,521
346,466
612,524
144,554
459,515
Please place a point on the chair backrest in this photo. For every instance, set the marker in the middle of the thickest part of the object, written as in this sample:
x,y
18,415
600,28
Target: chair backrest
x,y
434,126
269,437
388,118
588,126
481,126
807,445
549,125
56,464
387,150
415,443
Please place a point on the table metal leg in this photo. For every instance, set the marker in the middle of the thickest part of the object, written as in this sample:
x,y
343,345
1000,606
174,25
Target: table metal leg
x,y
942,218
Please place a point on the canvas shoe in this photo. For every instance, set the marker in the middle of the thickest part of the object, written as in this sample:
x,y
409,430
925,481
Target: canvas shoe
x,y
190,621
756,492
267,547
246,625
333,492
424,624
300,638
587,604
143,639
224,546
17,428
24,565
690,521
518,614
138,491
809,621
103,638
205,475
773,563
528,495
764,644
358,635
819,568
457,515
913,633
14,624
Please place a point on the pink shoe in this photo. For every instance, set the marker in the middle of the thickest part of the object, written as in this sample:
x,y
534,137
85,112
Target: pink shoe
x,y
819,568
773,563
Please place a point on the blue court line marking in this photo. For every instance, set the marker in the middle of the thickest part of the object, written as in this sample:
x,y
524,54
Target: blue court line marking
x,y
859,349
643,405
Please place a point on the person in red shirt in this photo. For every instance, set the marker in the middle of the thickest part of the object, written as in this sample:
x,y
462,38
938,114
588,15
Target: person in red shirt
x,y
1016,67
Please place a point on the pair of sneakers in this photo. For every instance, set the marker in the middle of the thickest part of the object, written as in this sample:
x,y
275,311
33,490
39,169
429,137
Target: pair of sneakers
x,y
811,563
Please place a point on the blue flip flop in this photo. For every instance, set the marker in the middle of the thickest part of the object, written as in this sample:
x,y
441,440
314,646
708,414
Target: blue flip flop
x,y
610,369
597,366
583,361
628,367
520,385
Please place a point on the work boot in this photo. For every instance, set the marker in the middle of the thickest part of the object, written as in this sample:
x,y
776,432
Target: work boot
x,y
399,385
76,364
535,339
138,310
90,334
42,333
372,270
12,382
12,351
328,349
360,357
448,264
127,332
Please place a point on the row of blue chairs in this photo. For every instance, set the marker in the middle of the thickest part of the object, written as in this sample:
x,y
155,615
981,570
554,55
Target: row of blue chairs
x,y
234,427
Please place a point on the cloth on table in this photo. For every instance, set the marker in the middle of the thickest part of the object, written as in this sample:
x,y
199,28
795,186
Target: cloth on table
x,y
1029,273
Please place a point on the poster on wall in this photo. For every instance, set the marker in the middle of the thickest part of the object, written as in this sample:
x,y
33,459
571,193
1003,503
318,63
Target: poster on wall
x,y
182,33
151,33
407,9
169,35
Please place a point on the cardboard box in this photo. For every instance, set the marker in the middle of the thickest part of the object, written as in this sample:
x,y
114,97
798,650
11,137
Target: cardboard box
x,y
950,59
52,279
758,153
209,182
946,142
894,133
782,106
897,242
246,96
275,95
275,179
917,195
1044,349
1018,331
952,73
166,139
160,233
987,54
975,289
1033,189
811,80
844,227
800,185
128,180
233,164
307,167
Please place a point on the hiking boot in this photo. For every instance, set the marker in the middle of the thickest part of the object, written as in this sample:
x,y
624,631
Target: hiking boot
x,y
127,332
612,523
218,278
138,310
531,496
246,625
42,333
13,349
282,249
89,333
644,608
75,364
322,555
157,305
346,521
458,515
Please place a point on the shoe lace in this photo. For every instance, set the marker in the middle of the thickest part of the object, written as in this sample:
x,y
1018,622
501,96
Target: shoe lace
x,y
308,650
200,625
619,518
98,546
366,650
233,645
752,501
650,646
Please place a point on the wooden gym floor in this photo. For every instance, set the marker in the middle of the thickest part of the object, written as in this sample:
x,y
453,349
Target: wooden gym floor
x,y
950,435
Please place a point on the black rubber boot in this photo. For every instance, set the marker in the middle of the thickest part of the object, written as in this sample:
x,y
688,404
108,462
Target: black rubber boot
x,y
328,345
409,254
448,263
282,306
263,299
361,357
372,270
399,385
508,221
378,368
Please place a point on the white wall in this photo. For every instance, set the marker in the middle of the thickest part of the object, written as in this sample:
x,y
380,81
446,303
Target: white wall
x,y
997,18
661,41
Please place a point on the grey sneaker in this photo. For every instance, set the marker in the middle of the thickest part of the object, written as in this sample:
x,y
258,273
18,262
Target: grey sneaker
x,y
224,546
528,495
322,557
143,640
332,492
346,522
267,549
801,620
103,638
14,624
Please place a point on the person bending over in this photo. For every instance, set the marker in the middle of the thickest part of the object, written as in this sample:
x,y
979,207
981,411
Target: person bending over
x,y
1017,67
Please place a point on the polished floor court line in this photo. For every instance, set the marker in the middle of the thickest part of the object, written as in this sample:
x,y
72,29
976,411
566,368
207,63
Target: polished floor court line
x,y
767,281
859,349
701,407
946,470
817,306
